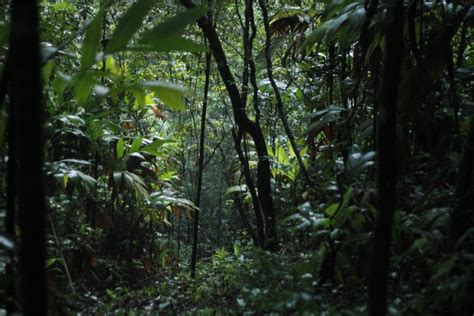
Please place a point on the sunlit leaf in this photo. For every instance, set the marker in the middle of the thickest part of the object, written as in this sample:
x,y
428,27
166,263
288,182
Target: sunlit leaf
x,y
120,148
170,94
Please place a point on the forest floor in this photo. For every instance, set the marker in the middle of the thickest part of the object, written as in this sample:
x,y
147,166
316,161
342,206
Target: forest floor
x,y
244,282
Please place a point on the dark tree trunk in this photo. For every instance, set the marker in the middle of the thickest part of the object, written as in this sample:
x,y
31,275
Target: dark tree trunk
x,y
387,164
200,166
11,205
462,218
260,238
247,125
279,101
25,98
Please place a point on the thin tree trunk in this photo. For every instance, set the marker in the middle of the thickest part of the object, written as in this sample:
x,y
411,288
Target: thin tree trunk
x,y
219,221
463,216
260,240
387,163
200,166
247,125
249,74
11,205
25,97
279,101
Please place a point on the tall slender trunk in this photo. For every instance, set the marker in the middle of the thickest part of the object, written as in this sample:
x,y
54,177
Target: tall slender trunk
x,y
247,125
387,163
25,97
279,101
11,204
200,166
462,217
249,75
260,240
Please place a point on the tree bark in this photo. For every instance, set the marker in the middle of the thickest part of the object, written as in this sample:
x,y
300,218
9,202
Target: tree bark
x,y
387,163
25,97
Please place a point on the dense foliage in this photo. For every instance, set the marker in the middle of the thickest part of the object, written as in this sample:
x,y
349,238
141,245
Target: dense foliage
x,y
274,143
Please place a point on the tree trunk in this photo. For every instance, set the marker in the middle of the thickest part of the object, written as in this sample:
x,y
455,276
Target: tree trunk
x,y
279,101
387,163
260,240
200,166
462,218
25,97
247,125
11,204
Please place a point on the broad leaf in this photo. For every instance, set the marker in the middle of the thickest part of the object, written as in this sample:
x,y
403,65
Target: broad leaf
x,y
120,148
128,25
136,145
91,42
172,26
170,94
154,146
83,88
236,188
169,44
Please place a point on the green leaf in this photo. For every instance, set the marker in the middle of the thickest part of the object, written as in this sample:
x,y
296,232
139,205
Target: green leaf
x,y
445,266
51,261
236,249
357,222
83,88
170,94
135,182
419,244
78,176
331,209
91,42
169,44
329,115
153,147
172,26
346,197
282,157
65,180
120,148
136,145
314,37
59,84
128,25
48,70
236,188
167,176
